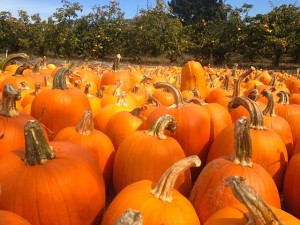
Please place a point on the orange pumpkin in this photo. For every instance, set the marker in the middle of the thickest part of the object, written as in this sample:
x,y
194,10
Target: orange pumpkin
x,y
92,140
58,182
252,210
11,121
210,181
193,76
194,124
161,151
157,202
60,106
268,148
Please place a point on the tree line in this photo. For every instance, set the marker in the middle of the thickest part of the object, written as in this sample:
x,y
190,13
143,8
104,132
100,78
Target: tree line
x,y
205,29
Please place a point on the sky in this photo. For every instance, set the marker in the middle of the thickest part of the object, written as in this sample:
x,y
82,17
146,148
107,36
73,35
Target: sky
x,y
131,7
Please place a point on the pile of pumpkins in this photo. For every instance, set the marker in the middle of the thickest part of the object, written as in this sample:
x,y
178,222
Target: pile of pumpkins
x,y
84,144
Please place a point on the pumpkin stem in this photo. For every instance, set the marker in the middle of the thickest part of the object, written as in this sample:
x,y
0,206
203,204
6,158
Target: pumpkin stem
x,y
225,83
13,57
85,125
115,65
260,213
270,108
284,97
165,185
256,116
254,93
37,149
273,79
151,99
9,97
121,100
242,143
87,88
20,69
130,217
59,79
237,85
164,122
178,98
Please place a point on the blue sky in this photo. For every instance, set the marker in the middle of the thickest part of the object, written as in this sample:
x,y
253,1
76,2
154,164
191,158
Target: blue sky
x,y
131,7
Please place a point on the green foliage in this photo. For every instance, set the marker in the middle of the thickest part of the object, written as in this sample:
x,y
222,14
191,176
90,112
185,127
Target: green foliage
x,y
205,29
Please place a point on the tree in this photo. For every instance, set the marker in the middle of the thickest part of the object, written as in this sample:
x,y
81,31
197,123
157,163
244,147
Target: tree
x,y
194,11
282,25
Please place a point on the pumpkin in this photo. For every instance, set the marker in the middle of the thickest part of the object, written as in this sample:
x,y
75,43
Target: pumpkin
x,y
252,210
290,186
157,201
7,61
209,189
92,140
159,150
277,123
60,106
122,124
107,111
193,76
12,121
194,124
268,148
283,108
17,78
51,182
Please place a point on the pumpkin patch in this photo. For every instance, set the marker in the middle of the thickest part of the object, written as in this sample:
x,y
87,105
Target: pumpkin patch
x,y
102,145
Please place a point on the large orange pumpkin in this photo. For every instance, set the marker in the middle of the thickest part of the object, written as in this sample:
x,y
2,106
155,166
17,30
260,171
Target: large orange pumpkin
x,y
147,154
92,140
209,189
60,106
268,148
194,124
157,202
52,183
12,121
252,210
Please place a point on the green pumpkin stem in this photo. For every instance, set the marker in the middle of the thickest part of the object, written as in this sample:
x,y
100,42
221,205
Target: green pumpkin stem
x,y
165,185
160,125
242,143
178,98
59,79
256,116
284,97
260,213
9,97
270,108
10,58
20,69
237,85
37,149
85,125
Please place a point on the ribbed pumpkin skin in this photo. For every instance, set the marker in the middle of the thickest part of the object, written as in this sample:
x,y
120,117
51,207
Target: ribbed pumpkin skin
x,y
141,157
291,186
209,189
68,189
58,109
97,143
12,129
154,211
237,215
268,150
7,218
193,127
